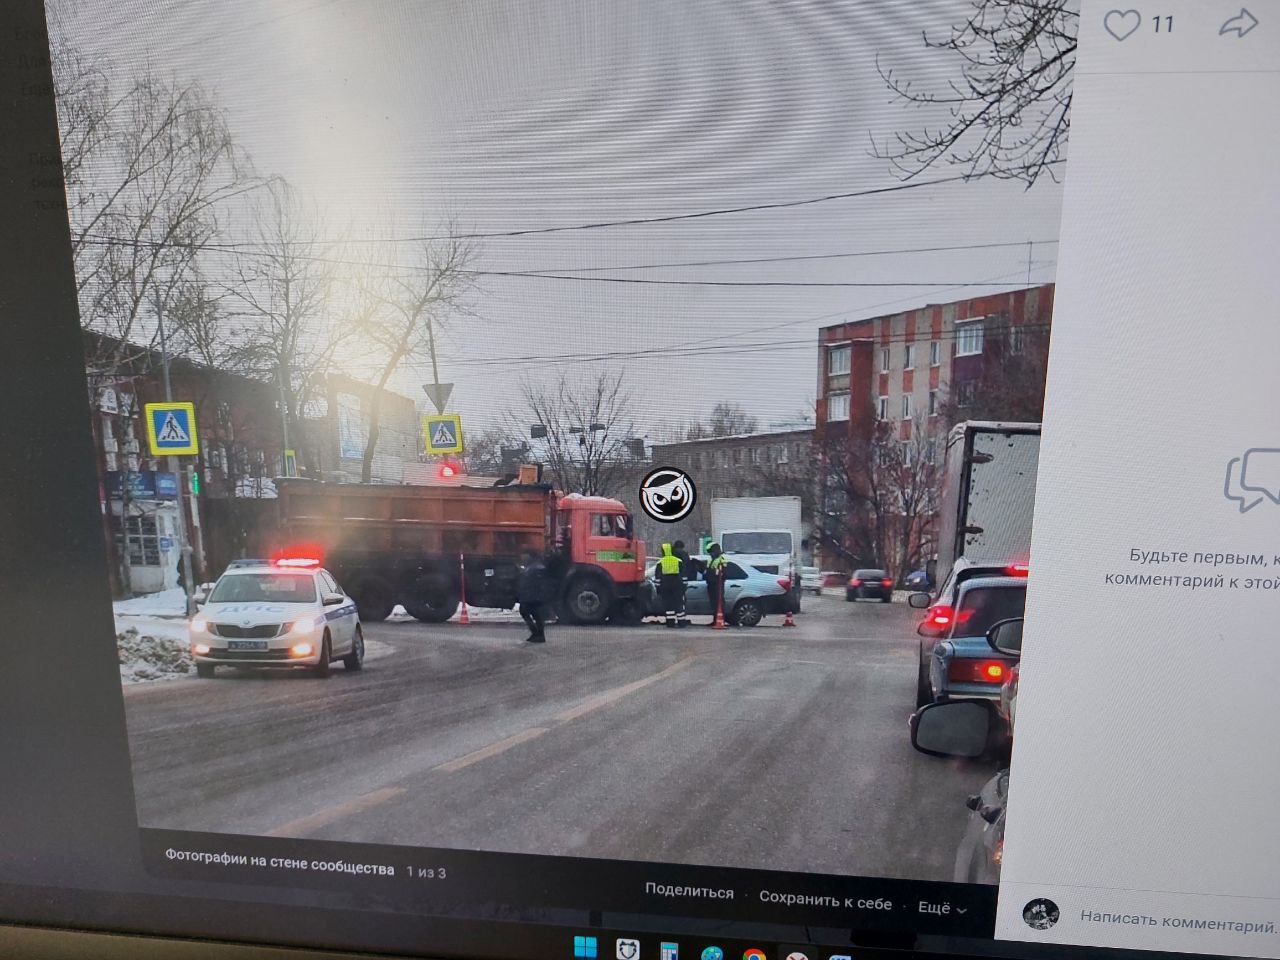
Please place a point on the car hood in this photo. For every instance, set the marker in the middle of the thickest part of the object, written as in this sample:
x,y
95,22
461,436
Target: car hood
x,y
254,613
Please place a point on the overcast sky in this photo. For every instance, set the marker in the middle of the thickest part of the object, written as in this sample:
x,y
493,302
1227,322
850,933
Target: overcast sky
x,y
513,115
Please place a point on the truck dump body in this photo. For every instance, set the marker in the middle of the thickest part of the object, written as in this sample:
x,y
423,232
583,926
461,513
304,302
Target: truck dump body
x,y
429,547
414,520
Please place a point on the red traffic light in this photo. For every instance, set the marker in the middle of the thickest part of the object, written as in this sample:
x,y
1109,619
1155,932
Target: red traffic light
x,y
449,470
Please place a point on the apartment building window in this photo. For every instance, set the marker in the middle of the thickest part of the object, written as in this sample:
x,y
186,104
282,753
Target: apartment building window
x,y
755,454
931,452
935,353
906,454
906,406
838,361
969,338
838,406
909,357
884,359
933,403
882,408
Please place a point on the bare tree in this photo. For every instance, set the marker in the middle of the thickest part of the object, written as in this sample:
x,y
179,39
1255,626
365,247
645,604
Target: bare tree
x,y
879,496
588,431
147,165
284,294
1008,114
726,420
1011,387
405,311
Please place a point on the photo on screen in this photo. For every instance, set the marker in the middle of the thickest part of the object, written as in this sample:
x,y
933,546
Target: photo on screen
x,y
596,430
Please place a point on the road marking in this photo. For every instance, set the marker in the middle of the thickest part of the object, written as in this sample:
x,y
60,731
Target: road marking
x,y
361,804
304,825
492,750
602,700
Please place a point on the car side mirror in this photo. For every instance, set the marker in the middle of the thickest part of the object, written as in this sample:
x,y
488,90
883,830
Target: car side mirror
x,y
333,599
918,601
1006,637
958,728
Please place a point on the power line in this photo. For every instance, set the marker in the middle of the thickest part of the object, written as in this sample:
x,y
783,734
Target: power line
x,y
635,221
748,283
792,259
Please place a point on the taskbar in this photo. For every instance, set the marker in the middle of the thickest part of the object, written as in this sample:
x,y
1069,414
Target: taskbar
x,y
464,883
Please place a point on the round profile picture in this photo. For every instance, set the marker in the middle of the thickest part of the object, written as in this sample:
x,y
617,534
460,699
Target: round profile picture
x,y
1041,914
667,494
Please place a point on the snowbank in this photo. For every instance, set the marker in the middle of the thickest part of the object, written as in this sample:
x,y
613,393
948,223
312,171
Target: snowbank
x,y
144,658
475,614
166,603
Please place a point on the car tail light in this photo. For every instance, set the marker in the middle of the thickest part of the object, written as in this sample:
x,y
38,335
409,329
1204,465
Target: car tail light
x,y
855,582
940,615
886,582
1017,570
977,671
784,583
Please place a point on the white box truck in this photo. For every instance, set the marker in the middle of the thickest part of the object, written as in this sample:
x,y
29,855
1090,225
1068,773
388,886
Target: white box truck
x,y
763,532
988,494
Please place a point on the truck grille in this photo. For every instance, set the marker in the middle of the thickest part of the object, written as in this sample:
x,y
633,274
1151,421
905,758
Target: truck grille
x,y
233,632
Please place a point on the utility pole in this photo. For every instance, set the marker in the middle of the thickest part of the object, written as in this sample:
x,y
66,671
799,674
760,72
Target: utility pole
x,y
1030,247
184,547
284,419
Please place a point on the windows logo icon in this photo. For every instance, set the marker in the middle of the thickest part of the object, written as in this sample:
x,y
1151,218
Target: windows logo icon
x,y
585,948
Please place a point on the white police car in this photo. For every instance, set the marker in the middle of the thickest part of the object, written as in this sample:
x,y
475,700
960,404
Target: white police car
x,y
290,613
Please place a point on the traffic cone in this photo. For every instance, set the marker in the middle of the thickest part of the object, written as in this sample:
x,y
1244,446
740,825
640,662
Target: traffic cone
x,y
788,620
719,621
463,617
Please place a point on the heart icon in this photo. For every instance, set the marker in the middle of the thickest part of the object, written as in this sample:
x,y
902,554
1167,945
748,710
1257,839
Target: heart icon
x,y
1121,24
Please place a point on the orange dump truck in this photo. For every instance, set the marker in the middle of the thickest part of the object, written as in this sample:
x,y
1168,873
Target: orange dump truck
x,y
409,545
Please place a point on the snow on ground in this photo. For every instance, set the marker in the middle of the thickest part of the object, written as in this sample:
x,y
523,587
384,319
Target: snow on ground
x,y
151,650
166,603
476,614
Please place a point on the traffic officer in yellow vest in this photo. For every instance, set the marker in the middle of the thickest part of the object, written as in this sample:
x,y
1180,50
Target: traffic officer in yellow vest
x,y
715,579
671,586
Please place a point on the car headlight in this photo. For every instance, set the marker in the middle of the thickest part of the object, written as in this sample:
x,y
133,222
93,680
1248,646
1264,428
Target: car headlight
x,y
200,649
307,625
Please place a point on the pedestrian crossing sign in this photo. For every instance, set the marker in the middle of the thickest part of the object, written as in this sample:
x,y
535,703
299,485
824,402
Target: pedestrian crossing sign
x,y
443,433
171,429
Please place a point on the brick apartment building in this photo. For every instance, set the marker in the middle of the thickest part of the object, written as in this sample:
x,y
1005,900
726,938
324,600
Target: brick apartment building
x,y
927,367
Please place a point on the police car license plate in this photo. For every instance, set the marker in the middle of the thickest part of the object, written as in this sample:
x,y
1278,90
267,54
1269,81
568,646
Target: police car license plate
x,y
246,644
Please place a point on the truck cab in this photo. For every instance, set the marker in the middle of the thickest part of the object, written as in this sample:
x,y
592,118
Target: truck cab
x,y
607,561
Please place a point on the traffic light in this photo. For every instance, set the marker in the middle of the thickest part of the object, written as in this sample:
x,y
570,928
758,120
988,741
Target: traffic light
x,y
195,481
449,470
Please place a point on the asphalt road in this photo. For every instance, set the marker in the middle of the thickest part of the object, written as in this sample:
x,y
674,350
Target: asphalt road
x,y
768,747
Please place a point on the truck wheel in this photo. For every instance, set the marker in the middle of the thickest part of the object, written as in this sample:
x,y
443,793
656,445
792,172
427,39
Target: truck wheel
x,y
588,600
437,610
748,613
205,670
374,599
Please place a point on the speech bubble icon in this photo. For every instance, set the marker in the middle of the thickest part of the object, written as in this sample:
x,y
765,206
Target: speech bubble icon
x,y
1231,487
1260,472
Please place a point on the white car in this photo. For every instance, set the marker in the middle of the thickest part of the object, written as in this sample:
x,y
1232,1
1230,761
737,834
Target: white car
x,y
288,614
811,580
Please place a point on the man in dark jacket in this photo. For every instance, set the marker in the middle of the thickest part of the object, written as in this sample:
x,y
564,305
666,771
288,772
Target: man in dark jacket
x,y
535,591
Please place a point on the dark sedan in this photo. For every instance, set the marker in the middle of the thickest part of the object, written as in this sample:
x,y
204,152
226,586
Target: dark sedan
x,y
869,585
